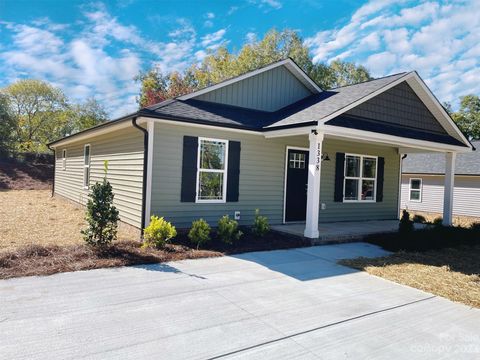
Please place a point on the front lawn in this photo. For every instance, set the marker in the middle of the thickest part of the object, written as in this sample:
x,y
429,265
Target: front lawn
x,y
40,235
442,261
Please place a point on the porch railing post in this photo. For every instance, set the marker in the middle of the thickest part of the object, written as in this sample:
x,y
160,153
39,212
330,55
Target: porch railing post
x,y
313,189
448,188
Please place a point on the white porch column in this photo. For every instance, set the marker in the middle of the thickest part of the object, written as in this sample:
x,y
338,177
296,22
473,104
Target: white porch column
x,y
449,185
148,190
313,189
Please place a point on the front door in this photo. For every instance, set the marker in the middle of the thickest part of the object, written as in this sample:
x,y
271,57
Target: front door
x,y
296,187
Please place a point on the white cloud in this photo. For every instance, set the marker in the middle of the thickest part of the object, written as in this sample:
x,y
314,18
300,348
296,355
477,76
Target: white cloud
x,y
439,39
267,4
251,37
100,57
210,15
213,40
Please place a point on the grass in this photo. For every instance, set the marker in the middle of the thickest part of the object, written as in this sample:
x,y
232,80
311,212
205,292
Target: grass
x,y
33,217
450,272
441,260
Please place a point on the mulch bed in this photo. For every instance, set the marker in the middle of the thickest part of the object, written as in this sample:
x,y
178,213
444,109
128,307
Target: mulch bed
x,y
50,259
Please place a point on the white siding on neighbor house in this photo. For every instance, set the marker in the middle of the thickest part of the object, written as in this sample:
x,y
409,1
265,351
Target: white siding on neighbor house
x,y
262,169
466,194
268,91
124,151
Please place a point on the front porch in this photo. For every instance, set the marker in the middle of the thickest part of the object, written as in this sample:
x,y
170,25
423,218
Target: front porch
x,y
336,232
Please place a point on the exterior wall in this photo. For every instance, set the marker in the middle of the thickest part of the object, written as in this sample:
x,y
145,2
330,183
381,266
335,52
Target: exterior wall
x,y
124,151
399,106
268,91
466,195
262,174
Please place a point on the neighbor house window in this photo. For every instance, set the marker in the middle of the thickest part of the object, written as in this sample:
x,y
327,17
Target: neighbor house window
x,y
360,178
415,190
212,174
64,159
86,166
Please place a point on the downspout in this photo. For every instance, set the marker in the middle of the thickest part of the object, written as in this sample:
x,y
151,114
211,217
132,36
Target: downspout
x,y
145,164
54,163
399,202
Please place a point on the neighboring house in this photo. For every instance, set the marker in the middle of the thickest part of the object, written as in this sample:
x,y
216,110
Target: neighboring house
x,y
423,183
270,139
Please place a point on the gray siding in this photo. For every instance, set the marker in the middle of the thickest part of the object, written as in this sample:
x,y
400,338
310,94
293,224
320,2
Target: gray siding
x,y
400,106
124,151
262,170
268,91
466,195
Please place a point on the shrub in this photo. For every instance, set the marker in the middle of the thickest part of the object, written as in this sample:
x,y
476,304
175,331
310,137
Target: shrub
x,y
419,219
228,230
438,221
475,227
199,233
260,224
406,225
101,215
159,232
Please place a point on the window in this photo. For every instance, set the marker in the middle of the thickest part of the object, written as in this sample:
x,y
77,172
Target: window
x,y
86,166
212,173
416,190
360,178
64,159
296,160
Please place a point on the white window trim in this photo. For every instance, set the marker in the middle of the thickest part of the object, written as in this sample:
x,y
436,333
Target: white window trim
x,y
419,190
64,159
224,172
360,178
86,187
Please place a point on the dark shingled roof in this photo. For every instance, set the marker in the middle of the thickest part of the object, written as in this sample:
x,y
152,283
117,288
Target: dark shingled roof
x,y
304,112
434,163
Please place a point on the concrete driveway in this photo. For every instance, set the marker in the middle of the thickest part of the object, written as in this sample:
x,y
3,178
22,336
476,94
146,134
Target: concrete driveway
x,y
280,304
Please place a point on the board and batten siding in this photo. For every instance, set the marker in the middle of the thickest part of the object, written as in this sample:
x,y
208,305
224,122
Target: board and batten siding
x,y
262,174
268,91
466,195
124,151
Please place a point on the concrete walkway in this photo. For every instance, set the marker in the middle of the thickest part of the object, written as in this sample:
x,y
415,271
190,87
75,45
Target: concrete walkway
x,y
288,304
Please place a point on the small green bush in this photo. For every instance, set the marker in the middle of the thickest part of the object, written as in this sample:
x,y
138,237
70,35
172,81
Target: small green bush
x,y
228,230
199,233
406,225
159,232
419,219
260,224
102,217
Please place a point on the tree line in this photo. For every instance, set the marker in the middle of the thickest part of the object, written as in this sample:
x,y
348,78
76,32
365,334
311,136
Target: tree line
x,y
34,113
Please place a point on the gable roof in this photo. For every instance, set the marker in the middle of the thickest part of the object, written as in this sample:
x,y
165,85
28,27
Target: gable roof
x,y
316,109
288,63
434,163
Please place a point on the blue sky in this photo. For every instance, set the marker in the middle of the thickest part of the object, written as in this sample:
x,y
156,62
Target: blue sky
x,y
94,49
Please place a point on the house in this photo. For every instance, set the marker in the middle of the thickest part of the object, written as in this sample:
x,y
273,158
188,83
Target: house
x,y
269,139
423,178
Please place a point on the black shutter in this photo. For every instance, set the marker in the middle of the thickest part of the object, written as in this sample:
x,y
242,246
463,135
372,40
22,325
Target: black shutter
x,y
339,176
233,171
189,169
380,177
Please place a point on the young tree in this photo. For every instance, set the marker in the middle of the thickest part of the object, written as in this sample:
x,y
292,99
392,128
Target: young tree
x,y
102,216
223,64
83,116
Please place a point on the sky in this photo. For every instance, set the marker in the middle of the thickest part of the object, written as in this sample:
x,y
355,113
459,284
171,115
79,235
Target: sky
x,y
95,49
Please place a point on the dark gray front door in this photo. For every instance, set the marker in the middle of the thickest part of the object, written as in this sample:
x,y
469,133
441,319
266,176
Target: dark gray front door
x,y
296,188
